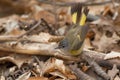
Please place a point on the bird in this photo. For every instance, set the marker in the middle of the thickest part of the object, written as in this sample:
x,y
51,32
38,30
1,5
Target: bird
x,y
73,41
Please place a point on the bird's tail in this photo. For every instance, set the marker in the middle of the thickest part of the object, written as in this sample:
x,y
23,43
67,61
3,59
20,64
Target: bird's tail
x,y
79,14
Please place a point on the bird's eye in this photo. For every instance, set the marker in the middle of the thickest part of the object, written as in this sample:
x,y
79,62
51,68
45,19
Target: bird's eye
x,y
63,43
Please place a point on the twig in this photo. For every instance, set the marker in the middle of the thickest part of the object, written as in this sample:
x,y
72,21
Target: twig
x,y
48,49
98,3
65,4
35,26
49,27
80,75
7,38
99,58
39,63
97,68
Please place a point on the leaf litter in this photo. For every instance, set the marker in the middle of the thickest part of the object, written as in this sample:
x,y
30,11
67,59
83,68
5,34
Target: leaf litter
x,y
30,30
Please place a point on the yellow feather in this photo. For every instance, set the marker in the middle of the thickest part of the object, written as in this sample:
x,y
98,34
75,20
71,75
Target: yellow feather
x,y
83,19
74,17
76,52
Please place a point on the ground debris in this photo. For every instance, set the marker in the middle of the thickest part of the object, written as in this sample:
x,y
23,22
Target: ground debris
x,y
30,31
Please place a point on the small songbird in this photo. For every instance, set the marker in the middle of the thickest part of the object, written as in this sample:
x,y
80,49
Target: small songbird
x,y
74,39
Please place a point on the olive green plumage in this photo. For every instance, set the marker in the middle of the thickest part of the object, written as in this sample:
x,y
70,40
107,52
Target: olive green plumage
x,y
74,39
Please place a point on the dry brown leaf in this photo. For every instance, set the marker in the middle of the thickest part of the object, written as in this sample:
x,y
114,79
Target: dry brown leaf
x,y
16,59
106,10
96,10
88,44
42,37
24,76
12,17
38,78
53,64
2,78
112,73
85,68
56,68
117,78
47,16
56,73
10,25
112,55
105,43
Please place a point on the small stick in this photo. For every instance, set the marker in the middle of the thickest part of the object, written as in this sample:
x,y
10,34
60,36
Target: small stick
x,y
65,4
35,26
80,75
97,68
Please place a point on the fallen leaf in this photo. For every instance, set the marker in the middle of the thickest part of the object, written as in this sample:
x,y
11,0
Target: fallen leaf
x,y
112,73
104,43
88,44
47,16
117,78
24,76
2,78
56,73
38,78
16,59
112,55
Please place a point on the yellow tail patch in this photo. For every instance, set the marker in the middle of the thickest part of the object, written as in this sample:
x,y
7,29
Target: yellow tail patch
x,y
82,21
74,17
